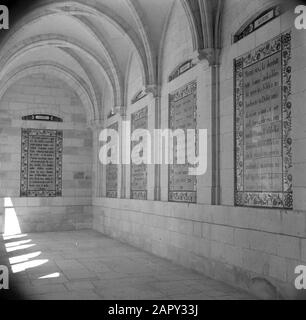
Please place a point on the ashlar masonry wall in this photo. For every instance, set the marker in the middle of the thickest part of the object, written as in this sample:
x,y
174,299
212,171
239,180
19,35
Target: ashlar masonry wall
x,y
44,94
255,249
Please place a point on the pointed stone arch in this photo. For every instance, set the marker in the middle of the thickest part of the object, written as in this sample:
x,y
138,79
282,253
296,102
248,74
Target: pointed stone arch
x,y
60,72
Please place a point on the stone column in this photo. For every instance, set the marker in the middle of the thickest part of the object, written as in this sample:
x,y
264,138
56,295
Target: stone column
x,y
214,62
212,56
121,110
215,134
97,169
156,92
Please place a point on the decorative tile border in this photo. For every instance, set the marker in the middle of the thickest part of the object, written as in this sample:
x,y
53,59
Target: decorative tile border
x,y
259,21
179,70
112,174
42,117
138,96
182,194
139,121
284,199
57,136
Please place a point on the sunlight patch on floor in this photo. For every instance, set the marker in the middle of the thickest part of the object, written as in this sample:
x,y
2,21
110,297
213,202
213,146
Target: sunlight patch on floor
x,y
27,265
12,231
17,243
16,236
24,257
21,247
51,276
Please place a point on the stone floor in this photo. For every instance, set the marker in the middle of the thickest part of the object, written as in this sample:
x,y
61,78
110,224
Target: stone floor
x,y
87,265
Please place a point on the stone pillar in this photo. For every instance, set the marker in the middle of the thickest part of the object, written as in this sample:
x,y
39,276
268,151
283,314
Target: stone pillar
x,y
156,92
97,169
212,56
121,110
215,134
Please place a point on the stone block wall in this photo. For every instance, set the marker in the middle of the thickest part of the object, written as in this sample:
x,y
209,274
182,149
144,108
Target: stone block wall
x,y
255,249
43,94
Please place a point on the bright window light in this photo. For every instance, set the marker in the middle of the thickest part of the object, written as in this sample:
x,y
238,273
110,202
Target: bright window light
x,y
8,203
11,223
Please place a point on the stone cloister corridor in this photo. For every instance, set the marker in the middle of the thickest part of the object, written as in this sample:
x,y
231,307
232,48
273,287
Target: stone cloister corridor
x,y
152,149
85,265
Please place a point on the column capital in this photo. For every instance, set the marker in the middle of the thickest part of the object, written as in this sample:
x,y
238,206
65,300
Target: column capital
x,y
121,110
152,88
96,124
212,55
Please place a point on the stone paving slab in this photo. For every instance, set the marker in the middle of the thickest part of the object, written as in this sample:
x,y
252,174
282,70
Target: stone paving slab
x,y
85,265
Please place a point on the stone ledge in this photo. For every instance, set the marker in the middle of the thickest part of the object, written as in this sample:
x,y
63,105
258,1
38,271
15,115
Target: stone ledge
x,y
267,220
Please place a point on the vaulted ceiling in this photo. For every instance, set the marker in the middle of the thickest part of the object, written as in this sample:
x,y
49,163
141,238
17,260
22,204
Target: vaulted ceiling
x,y
91,42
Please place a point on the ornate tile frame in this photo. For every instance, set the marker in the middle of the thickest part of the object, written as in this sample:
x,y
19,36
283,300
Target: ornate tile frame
x,y
283,200
138,194
188,196
58,135
110,192
257,22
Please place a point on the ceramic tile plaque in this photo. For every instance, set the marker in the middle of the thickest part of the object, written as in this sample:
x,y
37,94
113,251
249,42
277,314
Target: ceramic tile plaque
x,y
41,163
263,142
112,174
182,115
139,172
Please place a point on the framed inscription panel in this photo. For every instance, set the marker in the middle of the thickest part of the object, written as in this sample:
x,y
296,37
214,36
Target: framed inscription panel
x,y
41,163
112,173
139,172
263,142
182,115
